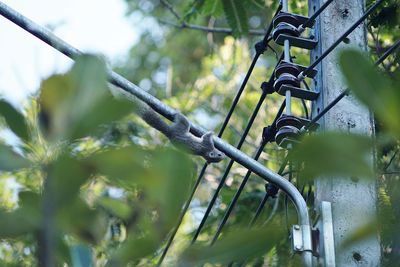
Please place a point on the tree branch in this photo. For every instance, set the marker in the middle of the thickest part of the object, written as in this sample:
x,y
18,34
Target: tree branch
x,y
184,25
170,8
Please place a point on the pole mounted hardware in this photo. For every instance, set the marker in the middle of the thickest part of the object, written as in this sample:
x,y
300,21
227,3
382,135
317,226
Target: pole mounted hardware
x,y
286,79
290,27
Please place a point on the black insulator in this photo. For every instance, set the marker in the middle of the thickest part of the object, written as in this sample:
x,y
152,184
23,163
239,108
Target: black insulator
x,y
268,134
285,28
286,79
268,87
287,67
287,18
260,47
289,120
286,132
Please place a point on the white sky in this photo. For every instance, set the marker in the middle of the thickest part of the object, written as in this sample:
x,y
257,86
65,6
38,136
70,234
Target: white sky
x,y
89,25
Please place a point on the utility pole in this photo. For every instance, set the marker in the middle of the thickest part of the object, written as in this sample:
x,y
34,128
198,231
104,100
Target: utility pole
x,y
353,199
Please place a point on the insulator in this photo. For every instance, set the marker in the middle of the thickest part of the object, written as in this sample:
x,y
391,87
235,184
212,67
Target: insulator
x,y
289,120
287,18
286,67
285,28
286,79
286,132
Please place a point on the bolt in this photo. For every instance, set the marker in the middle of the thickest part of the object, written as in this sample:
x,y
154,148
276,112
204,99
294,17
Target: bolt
x,y
296,227
298,247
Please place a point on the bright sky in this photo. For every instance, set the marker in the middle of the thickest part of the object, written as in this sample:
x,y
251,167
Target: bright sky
x,y
89,25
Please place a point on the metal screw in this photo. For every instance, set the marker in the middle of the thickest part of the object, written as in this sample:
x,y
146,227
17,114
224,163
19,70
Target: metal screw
x,y
298,248
296,227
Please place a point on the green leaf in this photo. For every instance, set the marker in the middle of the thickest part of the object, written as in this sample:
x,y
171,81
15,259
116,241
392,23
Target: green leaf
x,y
23,220
124,165
116,207
68,175
76,104
82,221
134,249
14,119
165,176
372,88
11,161
334,154
174,175
235,246
235,13
212,8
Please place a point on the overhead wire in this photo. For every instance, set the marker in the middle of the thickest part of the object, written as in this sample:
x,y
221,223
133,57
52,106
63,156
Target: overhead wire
x,y
260,47
305,72
264,141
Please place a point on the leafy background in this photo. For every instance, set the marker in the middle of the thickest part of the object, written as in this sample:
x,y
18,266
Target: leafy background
x,y
97,187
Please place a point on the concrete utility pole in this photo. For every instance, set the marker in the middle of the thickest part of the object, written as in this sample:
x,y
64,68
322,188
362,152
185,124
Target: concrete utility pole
x,y
353,199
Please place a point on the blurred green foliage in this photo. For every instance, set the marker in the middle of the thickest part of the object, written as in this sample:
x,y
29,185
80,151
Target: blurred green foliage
x,y
107,190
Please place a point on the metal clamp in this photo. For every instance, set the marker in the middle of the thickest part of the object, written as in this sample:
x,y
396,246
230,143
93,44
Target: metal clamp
x,y
299,241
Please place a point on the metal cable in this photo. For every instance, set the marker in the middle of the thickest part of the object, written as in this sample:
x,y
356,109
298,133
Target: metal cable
x,y
244,181
346,92
229,166
311,20
388,52
267,195
304,73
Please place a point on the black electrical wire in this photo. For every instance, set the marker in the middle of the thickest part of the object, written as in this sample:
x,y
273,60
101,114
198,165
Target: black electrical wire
x,y
311,20
339,40
260,47
270,193
234,200
229,166
346,92
309,126
388,52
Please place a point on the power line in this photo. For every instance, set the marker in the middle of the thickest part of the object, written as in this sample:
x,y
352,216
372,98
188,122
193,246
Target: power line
x,y
233,202
305,72
260,47
311,20
390,51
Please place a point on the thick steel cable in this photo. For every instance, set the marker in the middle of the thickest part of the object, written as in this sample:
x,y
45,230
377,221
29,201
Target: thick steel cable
x,y
305,72
234,200
260,48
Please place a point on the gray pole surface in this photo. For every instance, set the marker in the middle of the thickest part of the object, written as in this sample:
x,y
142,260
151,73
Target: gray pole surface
x,y
353,199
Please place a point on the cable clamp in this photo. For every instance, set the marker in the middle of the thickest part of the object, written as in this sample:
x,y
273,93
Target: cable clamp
x,y
260,47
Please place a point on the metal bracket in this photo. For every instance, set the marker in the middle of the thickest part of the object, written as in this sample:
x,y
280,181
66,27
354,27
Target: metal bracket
x,y
298,243
298,92
296,41
327,242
